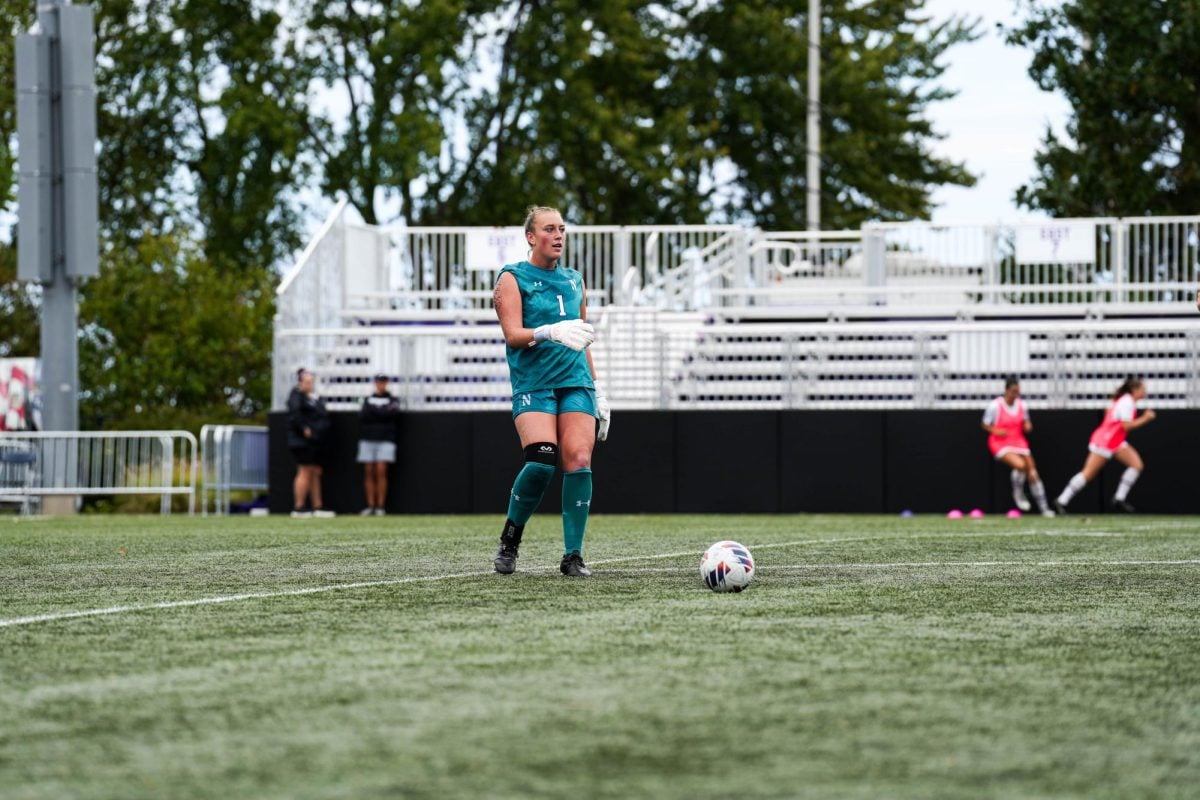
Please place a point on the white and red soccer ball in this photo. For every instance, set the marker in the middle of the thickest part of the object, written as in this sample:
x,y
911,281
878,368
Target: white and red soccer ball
x,y
727,567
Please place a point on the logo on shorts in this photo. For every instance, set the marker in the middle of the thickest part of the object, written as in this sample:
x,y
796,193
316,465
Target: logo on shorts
x,y
526,400
579,503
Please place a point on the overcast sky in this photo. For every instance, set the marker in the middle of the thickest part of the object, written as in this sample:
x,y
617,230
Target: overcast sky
x,y
997,120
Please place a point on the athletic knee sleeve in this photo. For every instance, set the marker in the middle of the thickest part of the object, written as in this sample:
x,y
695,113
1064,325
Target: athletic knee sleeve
x,y
542,453
532,481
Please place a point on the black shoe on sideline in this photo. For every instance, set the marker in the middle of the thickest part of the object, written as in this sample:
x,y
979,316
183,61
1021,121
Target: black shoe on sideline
x,y
1059,508
1122,506
510,541
573,567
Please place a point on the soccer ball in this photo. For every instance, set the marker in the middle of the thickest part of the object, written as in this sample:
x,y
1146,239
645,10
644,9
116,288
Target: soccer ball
x,y
727,567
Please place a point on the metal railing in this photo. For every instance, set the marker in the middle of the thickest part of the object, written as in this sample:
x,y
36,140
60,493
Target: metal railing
x,y
232,458
428,268
17,460
106,463
426,259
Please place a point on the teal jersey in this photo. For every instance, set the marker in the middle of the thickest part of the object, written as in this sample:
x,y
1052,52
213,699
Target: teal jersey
x,y
547,296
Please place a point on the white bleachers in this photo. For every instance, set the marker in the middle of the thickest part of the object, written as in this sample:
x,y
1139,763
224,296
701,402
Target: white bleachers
x,y
723,317
654,359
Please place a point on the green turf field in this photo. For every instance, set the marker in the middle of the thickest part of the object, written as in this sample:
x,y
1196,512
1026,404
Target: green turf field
x,y
872,657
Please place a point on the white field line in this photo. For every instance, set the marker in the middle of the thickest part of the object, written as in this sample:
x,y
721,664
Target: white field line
x,y
1179,525
233,598
925,564
229,598
803,542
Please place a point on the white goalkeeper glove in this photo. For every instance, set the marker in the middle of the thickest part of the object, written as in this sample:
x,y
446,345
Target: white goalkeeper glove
x,y
574,333
604,413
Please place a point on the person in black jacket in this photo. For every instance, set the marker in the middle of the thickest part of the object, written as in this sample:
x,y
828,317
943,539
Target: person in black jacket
x,y
377,444
308,425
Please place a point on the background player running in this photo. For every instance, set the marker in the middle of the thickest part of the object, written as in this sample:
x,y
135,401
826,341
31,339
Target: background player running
x,y
1108,441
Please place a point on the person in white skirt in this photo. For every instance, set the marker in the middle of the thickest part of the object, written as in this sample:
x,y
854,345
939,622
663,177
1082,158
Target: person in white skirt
x,y
1007,421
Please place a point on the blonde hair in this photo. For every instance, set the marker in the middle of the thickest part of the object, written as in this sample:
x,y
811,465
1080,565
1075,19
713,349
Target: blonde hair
x,y
531,214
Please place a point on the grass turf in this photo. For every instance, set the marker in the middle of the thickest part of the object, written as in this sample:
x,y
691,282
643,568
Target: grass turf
x,y
871,657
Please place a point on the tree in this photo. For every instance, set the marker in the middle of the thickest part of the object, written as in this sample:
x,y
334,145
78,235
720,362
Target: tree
x,y
20,334
19,16
201,122
399,67
880,63
244,108
587,115
632,111
1130,72
172,340
19,331
202,143
139,109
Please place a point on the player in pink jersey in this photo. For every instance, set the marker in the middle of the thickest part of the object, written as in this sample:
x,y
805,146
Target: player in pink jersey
x,y
1108,441
1007,421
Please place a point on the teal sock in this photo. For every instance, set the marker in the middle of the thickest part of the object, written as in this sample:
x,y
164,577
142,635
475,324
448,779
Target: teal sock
x,y
527,491
576,503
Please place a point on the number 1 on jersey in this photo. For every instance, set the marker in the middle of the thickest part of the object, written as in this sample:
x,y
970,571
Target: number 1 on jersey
x,y
562,312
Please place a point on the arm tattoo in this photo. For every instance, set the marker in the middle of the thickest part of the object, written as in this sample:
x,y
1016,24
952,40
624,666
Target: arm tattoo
x,y
496,297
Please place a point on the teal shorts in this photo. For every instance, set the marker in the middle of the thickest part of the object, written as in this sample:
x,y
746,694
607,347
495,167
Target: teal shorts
x,y
556,401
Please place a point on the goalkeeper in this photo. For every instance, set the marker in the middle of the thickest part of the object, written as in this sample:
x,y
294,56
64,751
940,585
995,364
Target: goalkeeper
x,y
556,398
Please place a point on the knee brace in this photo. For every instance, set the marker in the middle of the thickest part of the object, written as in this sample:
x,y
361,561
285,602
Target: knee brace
x,y
542,453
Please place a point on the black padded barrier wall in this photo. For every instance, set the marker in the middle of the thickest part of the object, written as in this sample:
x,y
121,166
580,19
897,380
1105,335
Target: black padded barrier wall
x,y
753,462
831,461
726,461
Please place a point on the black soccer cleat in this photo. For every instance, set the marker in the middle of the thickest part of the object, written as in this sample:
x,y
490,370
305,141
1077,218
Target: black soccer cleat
x,y
1122,506
573,567
510,542
1059,508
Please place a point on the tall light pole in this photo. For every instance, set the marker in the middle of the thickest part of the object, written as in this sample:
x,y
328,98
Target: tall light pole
x,y
813,174
57,238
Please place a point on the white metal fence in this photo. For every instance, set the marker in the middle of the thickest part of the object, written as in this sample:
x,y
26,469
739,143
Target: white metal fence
x,y
101,463
677,267
232,458
1132,260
